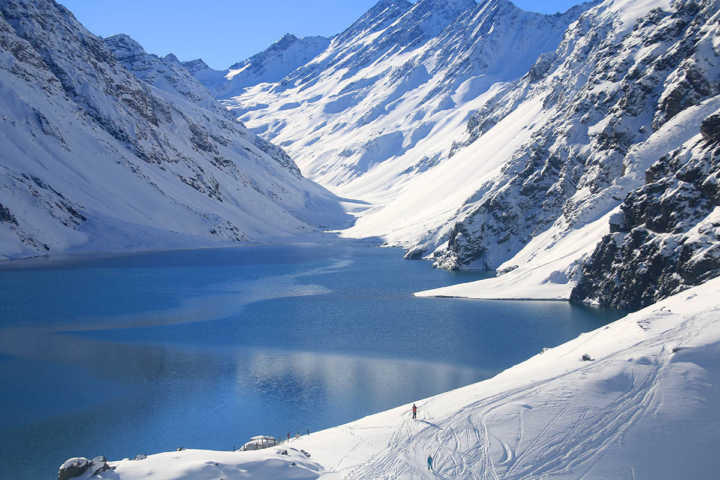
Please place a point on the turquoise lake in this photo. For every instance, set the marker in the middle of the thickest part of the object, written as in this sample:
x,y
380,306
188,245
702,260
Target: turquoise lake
x,y
149,352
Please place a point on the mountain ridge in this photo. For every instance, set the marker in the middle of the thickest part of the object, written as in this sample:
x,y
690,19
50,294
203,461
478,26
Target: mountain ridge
x,y
95,159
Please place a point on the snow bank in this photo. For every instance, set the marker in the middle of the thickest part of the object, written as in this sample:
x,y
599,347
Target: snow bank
x,y
541,271
203,464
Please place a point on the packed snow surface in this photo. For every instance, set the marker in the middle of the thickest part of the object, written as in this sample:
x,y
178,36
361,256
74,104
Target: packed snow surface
x,y
641,404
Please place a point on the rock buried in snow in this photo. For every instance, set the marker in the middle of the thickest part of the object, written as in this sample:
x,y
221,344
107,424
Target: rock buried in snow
x,y
710,128
73,467
587,358
416,253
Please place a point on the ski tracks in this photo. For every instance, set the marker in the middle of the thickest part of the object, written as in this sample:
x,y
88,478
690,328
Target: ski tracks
x,y
532,431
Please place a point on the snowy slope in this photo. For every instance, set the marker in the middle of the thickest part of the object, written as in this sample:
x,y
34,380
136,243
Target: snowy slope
x,y
546,266
644,406
94,158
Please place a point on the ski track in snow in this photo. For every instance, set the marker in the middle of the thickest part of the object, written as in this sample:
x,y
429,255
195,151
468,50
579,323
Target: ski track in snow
x,y
463,447
475,442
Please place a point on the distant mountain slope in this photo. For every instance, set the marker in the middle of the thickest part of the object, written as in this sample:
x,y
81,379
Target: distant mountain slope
x,y
93,158
271,65
375,102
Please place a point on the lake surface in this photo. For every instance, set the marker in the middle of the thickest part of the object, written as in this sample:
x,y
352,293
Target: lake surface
x,y
203,349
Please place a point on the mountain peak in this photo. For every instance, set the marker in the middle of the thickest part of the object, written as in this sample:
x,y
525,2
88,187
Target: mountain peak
x,y
197,65
382,14
286,40
385,4
430,17
123,46
456,5
286,50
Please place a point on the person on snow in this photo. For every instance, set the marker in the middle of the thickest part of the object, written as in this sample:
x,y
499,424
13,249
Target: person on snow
x,y
429,462
414,410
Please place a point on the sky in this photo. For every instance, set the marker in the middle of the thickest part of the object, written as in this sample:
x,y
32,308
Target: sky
x,y
223,32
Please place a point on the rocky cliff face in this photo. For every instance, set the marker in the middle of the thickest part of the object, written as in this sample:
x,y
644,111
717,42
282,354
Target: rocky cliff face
x,y
667,236
105,147
170,76
167,73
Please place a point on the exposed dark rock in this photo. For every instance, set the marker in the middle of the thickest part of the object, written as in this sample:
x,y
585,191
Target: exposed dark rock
x,y
416,253
201,140
73,467
541,66
278,154
710,128
6,215
672,241
618,223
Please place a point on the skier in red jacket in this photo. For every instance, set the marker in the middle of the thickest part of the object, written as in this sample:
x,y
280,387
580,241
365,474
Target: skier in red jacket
x,y
414,408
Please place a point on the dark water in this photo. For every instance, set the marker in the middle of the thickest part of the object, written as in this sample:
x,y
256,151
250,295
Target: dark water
x,y
203,349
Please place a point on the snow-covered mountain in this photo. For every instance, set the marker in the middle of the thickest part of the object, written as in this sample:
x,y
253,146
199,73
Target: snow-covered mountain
x,y
105,147
483,136
393,79
622,110
271,65
167,74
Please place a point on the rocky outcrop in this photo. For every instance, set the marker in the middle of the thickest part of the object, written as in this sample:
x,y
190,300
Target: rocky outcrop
x,y
81,466
669,236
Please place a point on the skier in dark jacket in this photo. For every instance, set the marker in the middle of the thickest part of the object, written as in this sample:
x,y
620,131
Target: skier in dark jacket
x,y
429,462
414,410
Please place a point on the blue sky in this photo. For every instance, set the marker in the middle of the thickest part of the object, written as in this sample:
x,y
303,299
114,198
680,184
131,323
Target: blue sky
x,y
223,32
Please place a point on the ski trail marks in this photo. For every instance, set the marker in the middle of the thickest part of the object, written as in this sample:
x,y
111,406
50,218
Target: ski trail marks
x,y
515,435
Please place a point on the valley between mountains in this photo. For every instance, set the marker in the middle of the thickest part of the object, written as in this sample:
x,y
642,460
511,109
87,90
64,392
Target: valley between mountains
x,y
576,156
